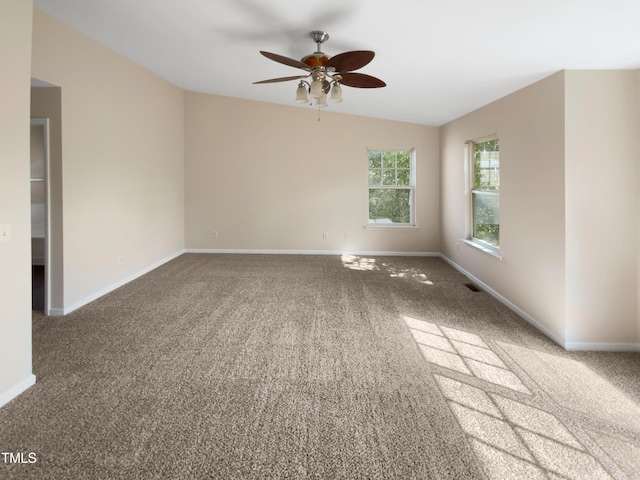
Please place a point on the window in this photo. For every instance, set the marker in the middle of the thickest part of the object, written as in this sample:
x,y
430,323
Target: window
x,y
484,167
391,187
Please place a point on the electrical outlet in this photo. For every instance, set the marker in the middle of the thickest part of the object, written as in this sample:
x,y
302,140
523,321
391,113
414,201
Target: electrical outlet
x,y
121,259
5,233
214,234
347,235
325,236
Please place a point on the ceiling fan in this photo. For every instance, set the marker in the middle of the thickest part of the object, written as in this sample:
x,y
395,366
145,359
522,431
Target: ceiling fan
x,y
326,73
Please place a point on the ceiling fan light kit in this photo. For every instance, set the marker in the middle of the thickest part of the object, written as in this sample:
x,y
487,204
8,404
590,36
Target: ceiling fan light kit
x,y
326,74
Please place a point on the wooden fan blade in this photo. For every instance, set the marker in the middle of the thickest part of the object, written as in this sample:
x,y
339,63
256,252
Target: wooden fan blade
x,y
281,79
348,61
285,60
360,80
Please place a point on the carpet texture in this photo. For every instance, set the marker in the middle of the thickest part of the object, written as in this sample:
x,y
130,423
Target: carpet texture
x,y
315,367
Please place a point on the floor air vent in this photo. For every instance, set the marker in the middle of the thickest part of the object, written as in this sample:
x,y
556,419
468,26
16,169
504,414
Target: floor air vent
x,y
472,287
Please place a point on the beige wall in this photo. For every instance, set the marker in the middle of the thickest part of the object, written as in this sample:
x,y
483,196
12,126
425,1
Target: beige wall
x,y
15,256
530,127
123,160
271,177
601,165
47,103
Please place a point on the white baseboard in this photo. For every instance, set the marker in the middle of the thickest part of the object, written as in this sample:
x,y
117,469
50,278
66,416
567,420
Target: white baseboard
x,y
507,303
70,308
17,389
602,347
311,252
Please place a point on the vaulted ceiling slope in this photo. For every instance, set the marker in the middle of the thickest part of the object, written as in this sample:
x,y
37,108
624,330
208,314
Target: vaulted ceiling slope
x,y
440,59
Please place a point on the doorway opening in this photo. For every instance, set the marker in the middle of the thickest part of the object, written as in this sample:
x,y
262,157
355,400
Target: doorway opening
x,y
40,216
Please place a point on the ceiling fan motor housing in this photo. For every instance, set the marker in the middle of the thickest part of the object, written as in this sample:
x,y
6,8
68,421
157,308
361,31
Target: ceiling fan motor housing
x,y
317,58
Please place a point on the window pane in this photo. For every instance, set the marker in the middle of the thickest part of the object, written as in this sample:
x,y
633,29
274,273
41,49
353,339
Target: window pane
x,y
375,176
389,205
486,166
404,177
404,159
375,160
486,217
389,160
388,177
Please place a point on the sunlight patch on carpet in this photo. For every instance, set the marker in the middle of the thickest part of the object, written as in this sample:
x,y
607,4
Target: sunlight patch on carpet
x,y
500,465
356,262
575,386
517,440
444,359
490,430
625,454
535,420
464,352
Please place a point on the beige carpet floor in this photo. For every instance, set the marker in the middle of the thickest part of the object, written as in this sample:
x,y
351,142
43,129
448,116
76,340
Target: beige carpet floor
x,y
315,367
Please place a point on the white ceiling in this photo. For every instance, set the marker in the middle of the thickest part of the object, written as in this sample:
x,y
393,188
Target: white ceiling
x,y
440,59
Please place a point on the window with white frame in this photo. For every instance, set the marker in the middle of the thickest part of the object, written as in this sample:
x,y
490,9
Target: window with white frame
x,y
484,201
392,187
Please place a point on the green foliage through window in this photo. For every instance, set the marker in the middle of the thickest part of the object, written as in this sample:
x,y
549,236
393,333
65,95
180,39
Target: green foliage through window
x,y
486,217
389,205
390,168
486,166
391,173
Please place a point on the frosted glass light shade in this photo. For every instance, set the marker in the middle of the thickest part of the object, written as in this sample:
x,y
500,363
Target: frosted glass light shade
x,y
301,94
316,89
336,93
322,100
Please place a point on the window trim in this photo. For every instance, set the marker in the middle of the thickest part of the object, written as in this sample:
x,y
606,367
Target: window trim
x,y
411,187
469,239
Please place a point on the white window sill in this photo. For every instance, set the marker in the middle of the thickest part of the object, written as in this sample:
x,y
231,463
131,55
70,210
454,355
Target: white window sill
x,y
483,248
376,226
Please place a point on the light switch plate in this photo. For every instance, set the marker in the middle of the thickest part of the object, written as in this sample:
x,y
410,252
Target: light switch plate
x,y
5,233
